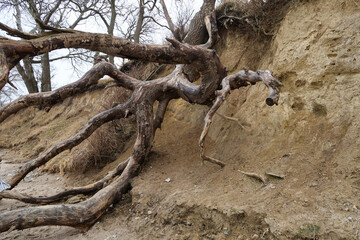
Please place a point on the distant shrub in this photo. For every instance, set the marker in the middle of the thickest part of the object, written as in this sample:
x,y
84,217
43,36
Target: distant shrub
x,y
254,16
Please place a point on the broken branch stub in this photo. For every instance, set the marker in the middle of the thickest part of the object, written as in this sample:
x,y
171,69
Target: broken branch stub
x,y
237,80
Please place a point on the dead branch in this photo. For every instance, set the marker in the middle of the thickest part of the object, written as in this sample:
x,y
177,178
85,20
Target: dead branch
x,y
14,51
82,85
194,60
17,33
94,123
231,119
12,194
81,215
275,175
160,112
237,80
256,176
4,69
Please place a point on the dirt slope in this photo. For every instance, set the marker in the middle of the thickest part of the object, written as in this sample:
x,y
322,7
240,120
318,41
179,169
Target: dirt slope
x,y
312,139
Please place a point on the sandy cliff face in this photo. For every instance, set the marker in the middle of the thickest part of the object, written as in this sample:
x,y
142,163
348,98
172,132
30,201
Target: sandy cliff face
x,y
312,139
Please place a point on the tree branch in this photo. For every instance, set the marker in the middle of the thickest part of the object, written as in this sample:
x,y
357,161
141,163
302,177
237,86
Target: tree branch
x,y
82,85
237,80
17,33
12,194
94,123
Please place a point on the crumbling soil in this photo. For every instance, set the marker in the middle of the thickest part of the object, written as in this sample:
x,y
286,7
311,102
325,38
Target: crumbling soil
x,y
311,140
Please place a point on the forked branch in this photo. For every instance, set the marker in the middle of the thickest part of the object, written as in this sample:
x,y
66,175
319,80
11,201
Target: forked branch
x,y
237,80
82,85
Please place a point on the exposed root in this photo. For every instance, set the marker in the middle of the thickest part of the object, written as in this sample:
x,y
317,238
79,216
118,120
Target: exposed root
x,y
82,85
81,215
274,175
212,160
256,176
93,124
231,119
12,194
205,62
237,80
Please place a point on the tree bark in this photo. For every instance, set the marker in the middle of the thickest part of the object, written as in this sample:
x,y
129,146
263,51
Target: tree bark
x,y
179,84
112,24
28,76
82,85
45,74
237,80
140,21
11,194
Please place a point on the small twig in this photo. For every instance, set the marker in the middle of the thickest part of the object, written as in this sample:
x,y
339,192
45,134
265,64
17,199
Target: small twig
x,y
256,176
356,3
275,175
57,30
155,71
212,160
11,84
231,119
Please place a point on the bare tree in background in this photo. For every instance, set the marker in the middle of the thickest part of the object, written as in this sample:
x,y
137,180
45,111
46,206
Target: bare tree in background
x,y
56,13
184,15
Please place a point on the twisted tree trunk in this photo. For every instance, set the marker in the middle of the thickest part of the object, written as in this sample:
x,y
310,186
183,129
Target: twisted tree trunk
x,y
192,60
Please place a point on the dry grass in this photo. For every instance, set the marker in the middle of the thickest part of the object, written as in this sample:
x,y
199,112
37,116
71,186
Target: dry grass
x,y
253,16
107,142
113,138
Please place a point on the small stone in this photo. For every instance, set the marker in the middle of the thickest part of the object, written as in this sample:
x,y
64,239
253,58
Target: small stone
x,y
226,233
167,180
27,180
313,184
225,190
58,179
149,212
255,237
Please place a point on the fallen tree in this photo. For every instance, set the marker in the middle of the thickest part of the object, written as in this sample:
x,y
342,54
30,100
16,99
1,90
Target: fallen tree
x,y
191,61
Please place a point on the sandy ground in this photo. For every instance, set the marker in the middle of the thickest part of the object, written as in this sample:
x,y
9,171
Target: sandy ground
x,y
312,140
177,197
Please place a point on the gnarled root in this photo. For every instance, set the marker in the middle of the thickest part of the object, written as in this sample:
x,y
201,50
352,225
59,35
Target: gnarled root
x,y
94,123
81,215
89,79
12,194
237,80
